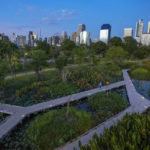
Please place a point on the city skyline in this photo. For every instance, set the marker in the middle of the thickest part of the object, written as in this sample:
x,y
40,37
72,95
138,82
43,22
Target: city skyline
x,y
52,17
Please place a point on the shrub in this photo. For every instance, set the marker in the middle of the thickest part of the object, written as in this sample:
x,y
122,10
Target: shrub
x,y
53,129
140,74
106,105
131,133
56,90
85,78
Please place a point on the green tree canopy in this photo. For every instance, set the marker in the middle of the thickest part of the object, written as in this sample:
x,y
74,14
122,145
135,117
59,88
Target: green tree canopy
x,y
67,46
116,54
130,45
115,41
39,60
99,47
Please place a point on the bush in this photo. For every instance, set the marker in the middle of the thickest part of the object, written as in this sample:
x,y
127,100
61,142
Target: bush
x,y
106,105
131,133
140,74
56,90
53,129
85,78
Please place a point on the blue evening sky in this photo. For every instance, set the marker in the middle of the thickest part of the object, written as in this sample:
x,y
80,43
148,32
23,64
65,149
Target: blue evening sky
x,y
55,16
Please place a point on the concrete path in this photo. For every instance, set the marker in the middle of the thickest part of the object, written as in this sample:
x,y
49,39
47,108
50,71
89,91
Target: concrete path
x,y
138,104
33,72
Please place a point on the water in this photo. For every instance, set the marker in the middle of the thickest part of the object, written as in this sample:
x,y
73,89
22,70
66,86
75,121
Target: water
x,y
142,87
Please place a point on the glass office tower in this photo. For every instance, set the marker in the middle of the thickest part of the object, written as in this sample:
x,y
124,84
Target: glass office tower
x,y
105,33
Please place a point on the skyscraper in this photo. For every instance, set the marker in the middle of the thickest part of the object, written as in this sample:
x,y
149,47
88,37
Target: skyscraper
x,y
148,27
30,38
21,41
139,28
85,38
105,33
73,37
14,38
81,27
64,36
128,32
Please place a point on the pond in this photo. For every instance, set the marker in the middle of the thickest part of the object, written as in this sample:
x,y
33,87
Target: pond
x,y
14,140
142,87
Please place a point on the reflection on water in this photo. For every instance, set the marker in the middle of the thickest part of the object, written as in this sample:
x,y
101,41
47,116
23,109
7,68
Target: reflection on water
x,y
143,87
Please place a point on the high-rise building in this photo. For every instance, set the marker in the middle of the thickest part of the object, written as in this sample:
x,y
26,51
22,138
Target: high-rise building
x,y
49,41
21,41
30,39
81,28
105,33
128,32
73,37
14,38
148,27
145,39
139,28
64,36
85,38
55,40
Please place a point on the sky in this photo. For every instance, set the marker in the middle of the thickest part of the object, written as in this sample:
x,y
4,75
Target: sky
x,y
54,16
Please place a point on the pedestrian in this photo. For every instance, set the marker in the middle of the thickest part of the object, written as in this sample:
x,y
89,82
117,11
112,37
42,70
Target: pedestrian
x,y
100,84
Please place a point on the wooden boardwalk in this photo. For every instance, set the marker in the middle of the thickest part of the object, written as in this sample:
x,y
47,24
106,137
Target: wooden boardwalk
x,y
138,104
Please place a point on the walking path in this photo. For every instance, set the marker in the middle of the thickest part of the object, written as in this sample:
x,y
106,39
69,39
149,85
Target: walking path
x,y
33,72
138,104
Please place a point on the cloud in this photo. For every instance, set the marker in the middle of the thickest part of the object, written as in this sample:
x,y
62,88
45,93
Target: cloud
x,y
58,17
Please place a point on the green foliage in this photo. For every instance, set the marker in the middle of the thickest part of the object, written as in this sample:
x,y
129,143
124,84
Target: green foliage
x,y
98,47
115,41
53,129
39,60
67,46
140,74
3,71
131,133
85,77
130,45
106,105
61,62
116,54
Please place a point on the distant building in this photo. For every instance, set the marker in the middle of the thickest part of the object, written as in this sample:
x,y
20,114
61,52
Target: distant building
x,y
85,38
21,41
45,39
105,33
145,39
73,37
81,28
30,39
14,38
64,36
56,41
49,41
139,30
148,27
128,32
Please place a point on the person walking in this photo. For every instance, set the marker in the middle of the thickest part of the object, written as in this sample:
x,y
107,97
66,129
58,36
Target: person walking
x,y
100,84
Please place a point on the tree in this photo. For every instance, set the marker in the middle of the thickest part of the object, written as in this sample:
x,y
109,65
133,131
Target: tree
x,y
39,60
115,41
3,71
61,62
80,54
130,45
142,52
42,45
116,54
67,47
99,47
